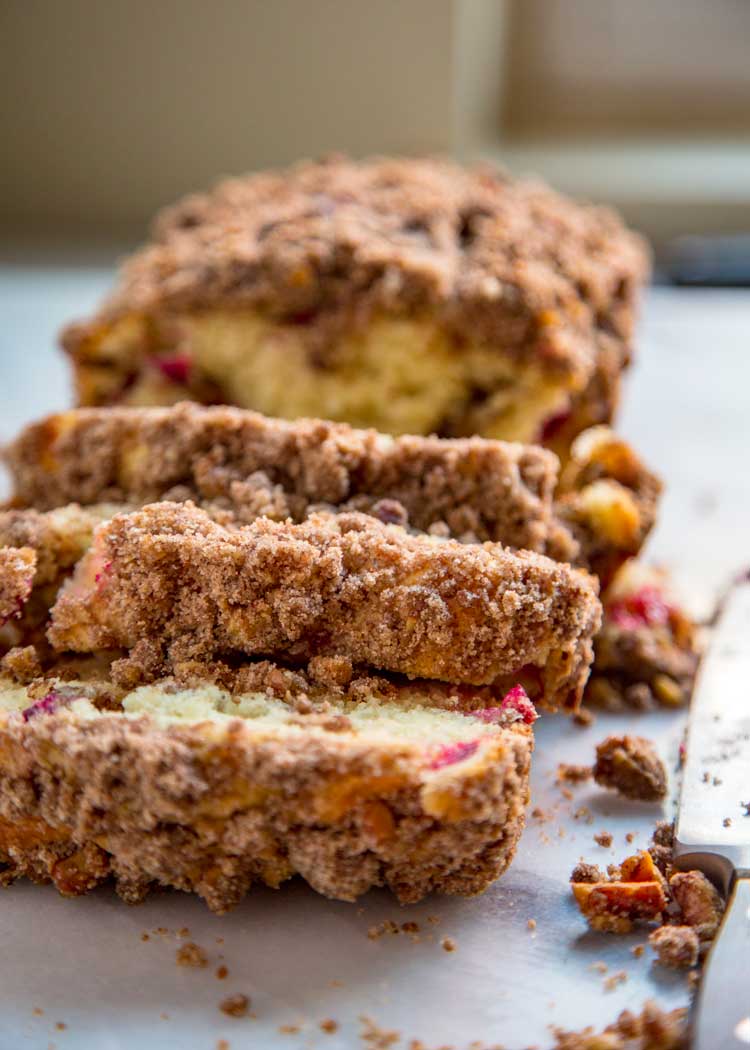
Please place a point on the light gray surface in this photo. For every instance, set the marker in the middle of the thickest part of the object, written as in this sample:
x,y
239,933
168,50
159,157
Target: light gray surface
x,y
303,959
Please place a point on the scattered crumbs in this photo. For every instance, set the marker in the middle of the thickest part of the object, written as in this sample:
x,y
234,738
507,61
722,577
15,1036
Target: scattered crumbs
x,y
614,979
727,822
335,983
60,1026
191,954
145,937
583,813
374,933
235,1005
630,837
638,950
573,774
448,944
38,1011
329,1025
539,814
183,932
531,924
377,1038
161,930
223,1044
410,927
288,1029
566,794
584,717
222,972
434,920
603,838
599,967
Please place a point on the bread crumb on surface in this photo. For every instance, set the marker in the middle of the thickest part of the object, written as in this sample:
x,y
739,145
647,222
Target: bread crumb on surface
x,y
584,717
631,766
235,1005
288,1029
38,1011
531,924
223,1044
377,1038
603,838
614,980
60,1026
573,774
448,944
677,947
638,950
652,1029
191,954
222,972
145,937
328,1025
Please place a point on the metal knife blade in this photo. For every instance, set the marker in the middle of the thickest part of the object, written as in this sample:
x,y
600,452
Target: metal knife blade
x,y
713,818
713,826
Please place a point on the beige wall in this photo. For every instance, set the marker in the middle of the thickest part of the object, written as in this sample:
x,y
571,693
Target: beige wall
x,y
109,108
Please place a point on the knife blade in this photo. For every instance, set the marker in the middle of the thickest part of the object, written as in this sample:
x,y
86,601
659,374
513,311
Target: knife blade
x,y
713,824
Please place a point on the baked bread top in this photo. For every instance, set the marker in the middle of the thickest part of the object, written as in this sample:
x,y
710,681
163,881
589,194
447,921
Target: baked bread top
x,y
499,261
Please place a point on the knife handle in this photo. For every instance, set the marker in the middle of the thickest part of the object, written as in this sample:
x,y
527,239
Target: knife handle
x,y
721,1018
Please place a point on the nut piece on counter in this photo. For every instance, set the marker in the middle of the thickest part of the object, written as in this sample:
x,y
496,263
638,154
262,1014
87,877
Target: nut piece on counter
x,y
636,892
631,766
677,947
699,902
652,1029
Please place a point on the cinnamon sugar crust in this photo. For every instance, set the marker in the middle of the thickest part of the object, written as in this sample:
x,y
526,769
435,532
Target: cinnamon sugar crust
x,y
244,464
252,465
198,807
17,568
339,240
169,584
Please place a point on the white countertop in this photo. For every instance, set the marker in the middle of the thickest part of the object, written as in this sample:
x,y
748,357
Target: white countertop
x,y
302,959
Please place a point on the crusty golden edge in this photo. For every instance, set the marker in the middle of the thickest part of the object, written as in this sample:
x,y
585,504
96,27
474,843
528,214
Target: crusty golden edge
x,y
214,809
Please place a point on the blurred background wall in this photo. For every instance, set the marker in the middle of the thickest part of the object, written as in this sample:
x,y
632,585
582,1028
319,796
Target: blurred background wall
x,y
110,108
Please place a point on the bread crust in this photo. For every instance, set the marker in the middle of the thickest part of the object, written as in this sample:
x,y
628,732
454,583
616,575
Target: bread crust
x,y
169,584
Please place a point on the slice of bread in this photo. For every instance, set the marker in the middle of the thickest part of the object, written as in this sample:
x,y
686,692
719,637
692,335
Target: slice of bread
x,y
209,792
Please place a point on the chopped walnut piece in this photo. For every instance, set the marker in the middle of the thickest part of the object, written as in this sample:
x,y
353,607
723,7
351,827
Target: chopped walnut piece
x,y
699,902
637,893
630,765
677,947
653,1029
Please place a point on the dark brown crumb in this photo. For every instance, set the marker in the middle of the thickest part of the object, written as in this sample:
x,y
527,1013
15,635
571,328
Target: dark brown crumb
x,y
677,947
630,837
603,838
329,1025
191,955
448,944
60,1026
145,937
630,766
235,1005
183,932
222,972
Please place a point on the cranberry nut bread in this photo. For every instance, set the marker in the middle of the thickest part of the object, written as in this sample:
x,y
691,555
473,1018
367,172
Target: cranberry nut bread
x,y
413,296
229,461
209,792
172,587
